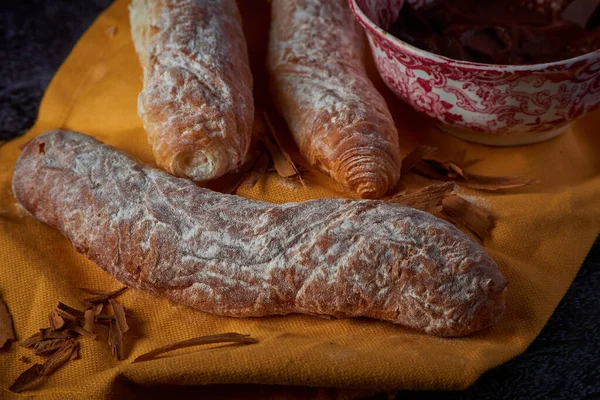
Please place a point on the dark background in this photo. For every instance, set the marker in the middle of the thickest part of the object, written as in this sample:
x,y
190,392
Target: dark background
x,y
562,363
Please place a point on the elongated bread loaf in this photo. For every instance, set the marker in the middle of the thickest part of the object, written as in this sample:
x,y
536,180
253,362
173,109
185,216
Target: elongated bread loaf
x,y
318,79
196,103
228,255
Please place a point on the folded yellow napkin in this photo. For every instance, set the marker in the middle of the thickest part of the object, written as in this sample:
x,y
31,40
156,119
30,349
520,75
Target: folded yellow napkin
x,y
542,235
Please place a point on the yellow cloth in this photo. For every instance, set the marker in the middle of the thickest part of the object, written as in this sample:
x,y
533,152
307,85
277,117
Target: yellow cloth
x,y
542,235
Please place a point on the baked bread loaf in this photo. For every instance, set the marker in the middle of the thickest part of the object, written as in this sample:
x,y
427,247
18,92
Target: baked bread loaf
x,y
318,80
228,255
196,104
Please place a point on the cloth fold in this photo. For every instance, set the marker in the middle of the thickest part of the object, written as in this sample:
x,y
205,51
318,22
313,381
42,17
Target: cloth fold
x,y
542,235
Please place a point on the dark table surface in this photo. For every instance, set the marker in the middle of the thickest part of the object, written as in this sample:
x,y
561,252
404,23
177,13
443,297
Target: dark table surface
x,y
562,363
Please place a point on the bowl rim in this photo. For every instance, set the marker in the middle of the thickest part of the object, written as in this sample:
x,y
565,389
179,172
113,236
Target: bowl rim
x,y
373,28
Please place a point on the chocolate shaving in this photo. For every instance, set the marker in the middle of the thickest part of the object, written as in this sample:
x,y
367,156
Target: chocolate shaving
x,y
30,375
49,346
59,342
24,359
282,161
481,182
58,359
119,313
115,340
76,352
259,169
104,296
454,170
62,351
427,199
7,332
475,218
283,167
73,312
97,309
202,340
79,330
439,200
66,315
47,333
89,319
105,318
31,340
426,169
450,170
414,157
55,320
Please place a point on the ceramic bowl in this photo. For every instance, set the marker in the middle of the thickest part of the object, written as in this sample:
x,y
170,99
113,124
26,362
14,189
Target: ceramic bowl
x,y
500,105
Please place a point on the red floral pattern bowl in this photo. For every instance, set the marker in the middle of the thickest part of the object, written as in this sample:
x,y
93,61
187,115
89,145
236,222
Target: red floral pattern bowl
x,y
500,105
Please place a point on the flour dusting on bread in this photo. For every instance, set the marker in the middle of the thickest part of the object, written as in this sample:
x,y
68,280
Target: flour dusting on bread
x,y
196,104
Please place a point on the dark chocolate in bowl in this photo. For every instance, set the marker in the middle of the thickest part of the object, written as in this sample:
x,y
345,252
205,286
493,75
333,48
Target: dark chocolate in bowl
x,y
504,32
499,105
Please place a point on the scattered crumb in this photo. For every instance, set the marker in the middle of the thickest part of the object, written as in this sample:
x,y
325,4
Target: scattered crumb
x,y
111,32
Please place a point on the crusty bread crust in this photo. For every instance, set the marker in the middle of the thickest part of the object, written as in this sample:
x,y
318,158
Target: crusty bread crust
x,y
228,255
318,79
196,104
